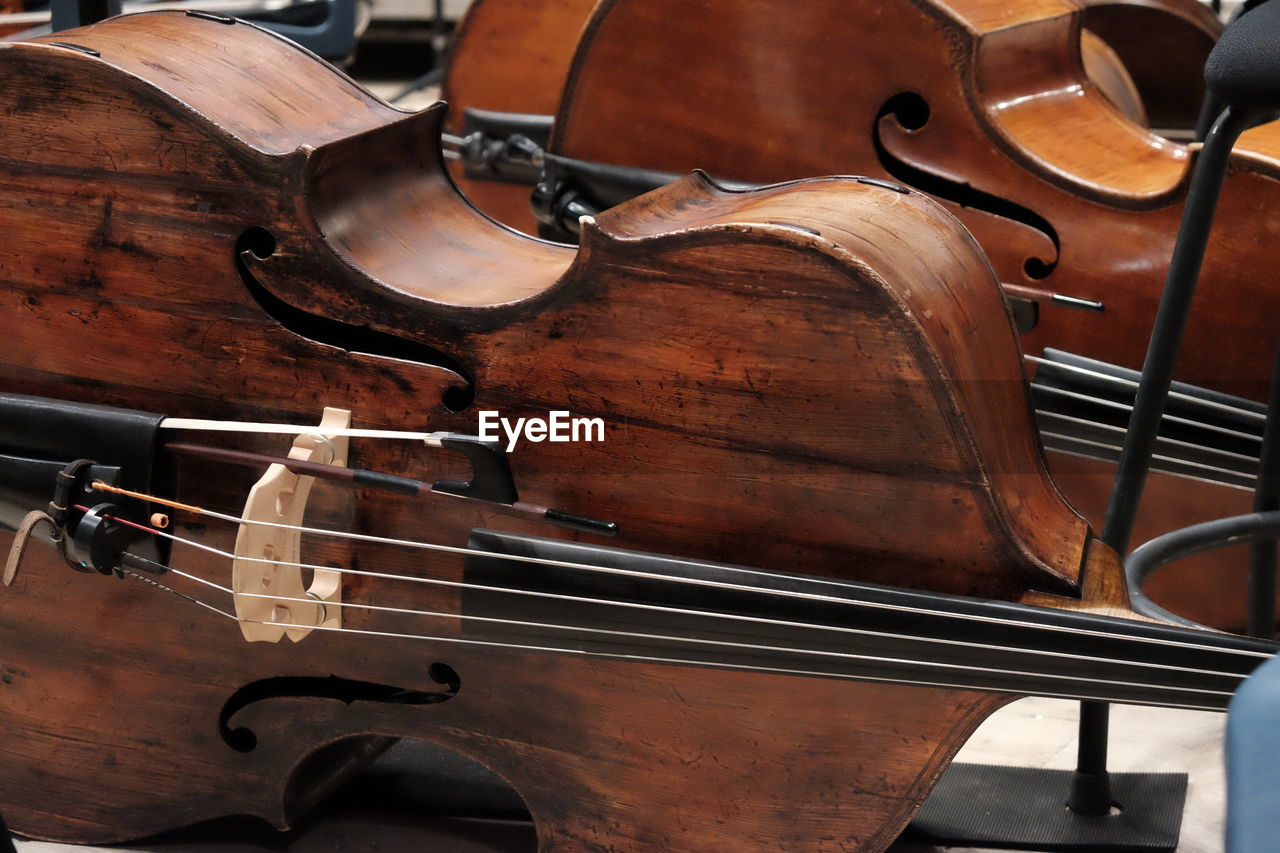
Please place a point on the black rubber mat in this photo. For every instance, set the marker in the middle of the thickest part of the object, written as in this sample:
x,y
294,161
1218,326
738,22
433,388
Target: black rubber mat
x,y
1023,808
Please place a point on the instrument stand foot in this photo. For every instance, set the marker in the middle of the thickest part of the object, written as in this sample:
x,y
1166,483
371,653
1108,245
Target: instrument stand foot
x,y
1024,808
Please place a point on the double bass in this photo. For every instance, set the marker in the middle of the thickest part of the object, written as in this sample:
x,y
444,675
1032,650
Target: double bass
x,y
989,110
216,238
1146,56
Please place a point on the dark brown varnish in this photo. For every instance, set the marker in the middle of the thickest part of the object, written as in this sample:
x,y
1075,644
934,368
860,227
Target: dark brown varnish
x,y
1163,44
510,56
818,377
1011,114
1146,57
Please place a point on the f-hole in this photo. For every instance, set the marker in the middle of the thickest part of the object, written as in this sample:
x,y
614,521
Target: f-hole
x,y
345,690
911,111
261,244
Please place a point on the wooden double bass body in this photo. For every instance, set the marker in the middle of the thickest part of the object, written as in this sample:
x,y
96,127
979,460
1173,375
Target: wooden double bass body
x,y
989,105
984,105
203,221
1162,45
1146,56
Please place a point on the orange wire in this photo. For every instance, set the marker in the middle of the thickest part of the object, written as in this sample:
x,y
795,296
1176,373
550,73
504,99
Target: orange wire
x,y
116,490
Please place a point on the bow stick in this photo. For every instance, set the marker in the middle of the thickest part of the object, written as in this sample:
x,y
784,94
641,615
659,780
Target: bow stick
x,y
393,483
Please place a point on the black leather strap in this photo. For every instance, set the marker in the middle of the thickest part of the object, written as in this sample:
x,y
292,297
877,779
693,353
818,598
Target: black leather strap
x,y
40,438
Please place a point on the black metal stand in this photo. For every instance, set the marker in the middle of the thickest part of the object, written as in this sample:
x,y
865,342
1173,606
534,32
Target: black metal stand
x,y
1170,322
1020,808
6,843
1090,793
1090,808
1266,498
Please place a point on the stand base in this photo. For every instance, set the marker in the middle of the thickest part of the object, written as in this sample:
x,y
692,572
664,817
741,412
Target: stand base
x,y
1024,808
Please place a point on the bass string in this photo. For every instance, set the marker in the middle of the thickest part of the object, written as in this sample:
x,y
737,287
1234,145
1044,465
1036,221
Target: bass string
x,y
729,665
991,647
1227,455
1176,419
737,617
1212,473
1260,417
1177,465
1209,473
1156,466
1223,474
675,579
755,647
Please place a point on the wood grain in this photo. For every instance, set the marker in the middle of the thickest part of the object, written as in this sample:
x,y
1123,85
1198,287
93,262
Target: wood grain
x,y
1101,202
1163,44
509,56
819,377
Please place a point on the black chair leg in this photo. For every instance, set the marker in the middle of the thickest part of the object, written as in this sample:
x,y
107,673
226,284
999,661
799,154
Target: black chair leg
x,y
6,841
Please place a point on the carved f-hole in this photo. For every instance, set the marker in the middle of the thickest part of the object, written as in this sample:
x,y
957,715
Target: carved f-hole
x,y
910,112
268,587
345,690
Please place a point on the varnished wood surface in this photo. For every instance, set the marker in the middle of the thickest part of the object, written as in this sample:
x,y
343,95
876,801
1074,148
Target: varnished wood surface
x,y
1110,190
1010,114
1146,57
756,359
509,56
1102,65
1163,44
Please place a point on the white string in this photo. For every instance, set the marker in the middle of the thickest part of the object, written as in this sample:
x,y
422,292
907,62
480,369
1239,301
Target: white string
x,y
1172,460
750,667
1168,464
685,612
1017,623
1133,383
753,668
1101,401
1105,427
725,664
761,647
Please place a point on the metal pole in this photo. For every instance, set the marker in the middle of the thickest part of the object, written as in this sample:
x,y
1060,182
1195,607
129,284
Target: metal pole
x,y
1266,497
1090,785
1170,322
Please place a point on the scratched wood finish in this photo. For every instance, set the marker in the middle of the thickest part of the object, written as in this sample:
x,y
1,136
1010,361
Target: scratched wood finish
x,y
756,378
1176,36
